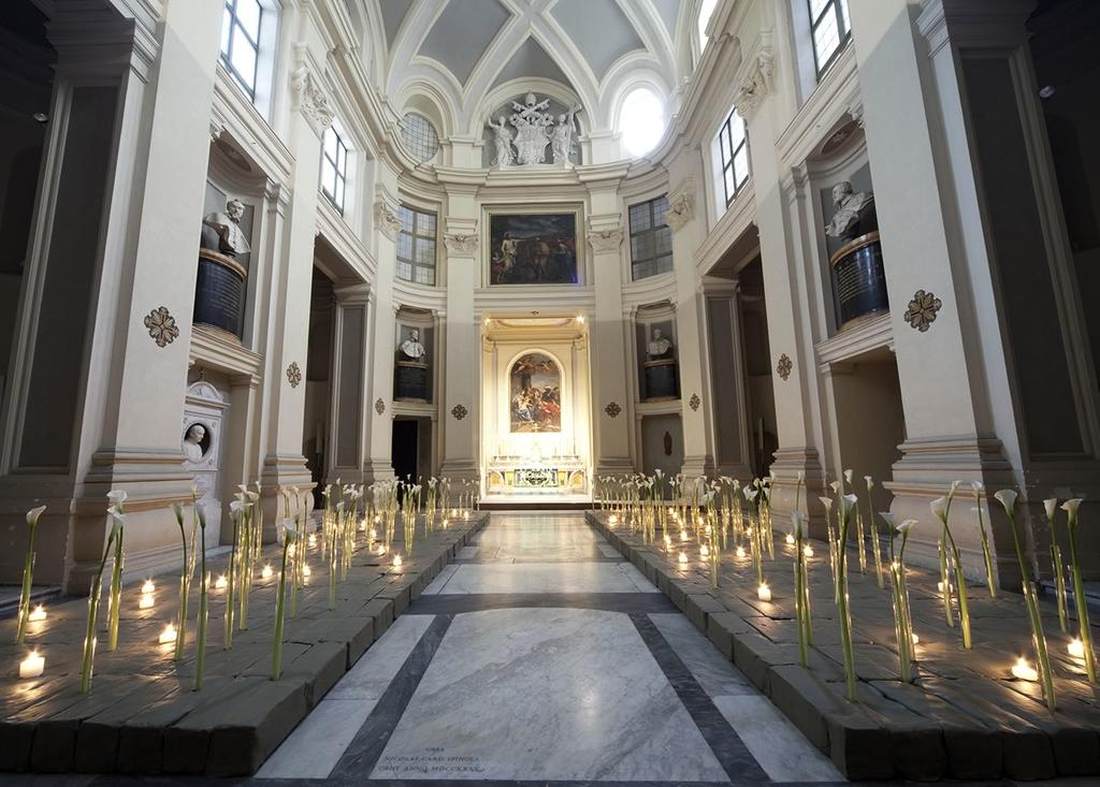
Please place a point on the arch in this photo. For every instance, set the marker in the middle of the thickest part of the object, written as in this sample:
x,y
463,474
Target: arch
x,y
498,96
424,96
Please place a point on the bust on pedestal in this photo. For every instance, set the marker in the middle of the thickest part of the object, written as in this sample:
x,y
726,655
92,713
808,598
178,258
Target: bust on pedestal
x,y
219,291
412,368
859,283
660,367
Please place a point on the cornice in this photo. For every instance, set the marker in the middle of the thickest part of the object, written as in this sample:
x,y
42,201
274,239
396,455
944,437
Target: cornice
x,y
836,95
739,216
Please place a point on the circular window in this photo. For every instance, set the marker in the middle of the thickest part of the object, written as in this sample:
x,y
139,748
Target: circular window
x,y
419,136
641,121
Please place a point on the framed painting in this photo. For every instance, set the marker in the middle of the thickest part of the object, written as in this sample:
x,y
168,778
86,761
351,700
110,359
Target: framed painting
x,y
534,247
535,387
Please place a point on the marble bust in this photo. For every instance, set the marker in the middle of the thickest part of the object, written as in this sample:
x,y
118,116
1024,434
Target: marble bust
x,y
192,443
851,205
659,346
411,348
224,229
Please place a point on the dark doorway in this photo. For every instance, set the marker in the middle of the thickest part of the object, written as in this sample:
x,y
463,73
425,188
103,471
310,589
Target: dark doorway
x,y
406,439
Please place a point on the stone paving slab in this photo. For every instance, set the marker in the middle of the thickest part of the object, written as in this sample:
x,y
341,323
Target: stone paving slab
x,y
964,717
142,715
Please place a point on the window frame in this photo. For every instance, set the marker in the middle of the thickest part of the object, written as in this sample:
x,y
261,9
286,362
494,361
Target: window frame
x,y
844,36
427,122
724,165
226,55
340,175
652,229
415,235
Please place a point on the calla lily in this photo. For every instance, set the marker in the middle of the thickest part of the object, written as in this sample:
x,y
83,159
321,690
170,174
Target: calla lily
x,y
1007,498
939,508
978,487
848,476
1050,505
869,481
1071,506
828,503
800,476
848,503
34,513
835,486
253,496
889,519
236,506
177,509
907,526
117,497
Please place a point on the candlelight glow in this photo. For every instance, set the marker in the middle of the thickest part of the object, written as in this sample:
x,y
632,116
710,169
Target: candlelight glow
x,y
38,614
397,561
740,552
916,639
1024,671
790,539
32,666
168,636
221,583
148,587
808,551
267,572
1075,647
312,540
764,593
613,520
683,559
306,570
704,550
146,601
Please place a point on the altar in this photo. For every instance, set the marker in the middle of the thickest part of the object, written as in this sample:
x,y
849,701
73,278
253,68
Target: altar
x,y
536,444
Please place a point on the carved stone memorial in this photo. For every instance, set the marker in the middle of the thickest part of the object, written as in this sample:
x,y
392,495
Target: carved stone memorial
x,y
220,289
859,283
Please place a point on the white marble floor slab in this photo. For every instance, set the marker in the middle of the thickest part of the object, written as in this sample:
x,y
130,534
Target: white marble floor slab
x,y
546,694
369,677
315,746
588,577
717,676
782,751
441,579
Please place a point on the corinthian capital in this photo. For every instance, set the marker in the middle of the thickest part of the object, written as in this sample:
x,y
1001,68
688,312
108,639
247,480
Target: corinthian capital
x,y
605,240
681,205
310,98
461,245
386,220
755,82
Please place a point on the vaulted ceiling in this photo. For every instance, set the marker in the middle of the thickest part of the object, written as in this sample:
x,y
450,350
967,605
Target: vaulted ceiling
x,y
462,53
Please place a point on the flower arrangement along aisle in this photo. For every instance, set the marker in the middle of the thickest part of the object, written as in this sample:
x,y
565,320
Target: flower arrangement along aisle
x,y
28,574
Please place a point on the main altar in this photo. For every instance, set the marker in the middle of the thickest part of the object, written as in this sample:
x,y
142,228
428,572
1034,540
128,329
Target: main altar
x,y
536,428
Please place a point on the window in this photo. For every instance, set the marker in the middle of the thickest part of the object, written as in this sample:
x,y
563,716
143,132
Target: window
x,y
416,246
334,165
419,136
241,41
641,121
650,239
733,144
706,9
831,27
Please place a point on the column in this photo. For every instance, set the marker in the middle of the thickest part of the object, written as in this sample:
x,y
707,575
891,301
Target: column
x,y
688,229
292,285
461,412
933,244
787,333
379,465
349,408
728,379
612,404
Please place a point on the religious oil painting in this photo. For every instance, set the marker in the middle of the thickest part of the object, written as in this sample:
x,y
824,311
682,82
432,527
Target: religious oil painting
x,y
536,394
533,248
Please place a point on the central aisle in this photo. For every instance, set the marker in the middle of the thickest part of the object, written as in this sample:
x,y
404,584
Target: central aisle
x,y
540,655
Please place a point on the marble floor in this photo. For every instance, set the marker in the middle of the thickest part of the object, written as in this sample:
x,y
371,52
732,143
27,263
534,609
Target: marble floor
x,y
539,655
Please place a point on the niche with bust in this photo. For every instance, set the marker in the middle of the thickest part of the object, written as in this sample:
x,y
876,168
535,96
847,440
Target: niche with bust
x,y
196,442
224,250
657,357
855,254
413,364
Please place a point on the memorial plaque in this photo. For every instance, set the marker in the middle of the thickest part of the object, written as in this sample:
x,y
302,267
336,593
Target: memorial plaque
x,y
859,283
219,292
412,381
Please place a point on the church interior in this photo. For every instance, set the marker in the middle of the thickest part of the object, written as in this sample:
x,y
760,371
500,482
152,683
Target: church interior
x,y
549,391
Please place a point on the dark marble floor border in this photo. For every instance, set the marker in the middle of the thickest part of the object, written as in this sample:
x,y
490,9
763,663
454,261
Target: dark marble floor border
x,y
736,759
358,760
456,603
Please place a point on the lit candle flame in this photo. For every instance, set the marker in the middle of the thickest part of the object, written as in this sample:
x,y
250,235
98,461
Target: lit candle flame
x,y
148,586
1024,671
763,592
168,636
38,614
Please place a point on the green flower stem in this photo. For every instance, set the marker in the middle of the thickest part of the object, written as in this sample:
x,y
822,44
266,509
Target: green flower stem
x,y
876,546
28,576
960,580
231,582
945,579
88,657
280,613
861,547
844,611
204,605
1084,629
1036,620
1059,583
987,552
114,609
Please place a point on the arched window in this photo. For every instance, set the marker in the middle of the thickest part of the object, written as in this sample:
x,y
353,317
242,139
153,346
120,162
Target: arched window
x,y
641,121
706,8
420,136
